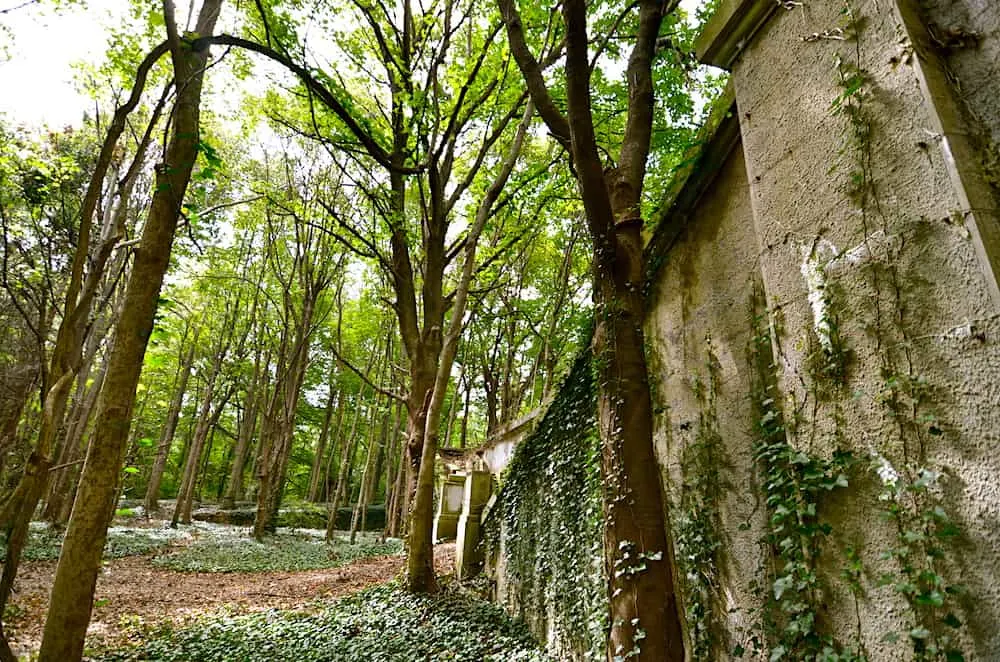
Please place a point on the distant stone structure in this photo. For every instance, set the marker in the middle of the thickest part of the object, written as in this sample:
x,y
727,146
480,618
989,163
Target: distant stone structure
x,y
825,336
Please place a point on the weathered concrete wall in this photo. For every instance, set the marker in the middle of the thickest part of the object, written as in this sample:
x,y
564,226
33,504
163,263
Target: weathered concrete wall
x,y
700,328
881,301
967,33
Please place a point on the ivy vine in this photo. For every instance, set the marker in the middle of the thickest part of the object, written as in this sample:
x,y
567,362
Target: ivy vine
x,y
696,522
909,497
548,522
794,483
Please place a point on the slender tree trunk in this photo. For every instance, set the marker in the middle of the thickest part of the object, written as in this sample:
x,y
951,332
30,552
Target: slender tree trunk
x,y
63,490
452,413
368,473
170,426
398,478
256,399
288,389
206,421
349,446
464,441
57,376
206,463
341,412
76,574
420,558
318,462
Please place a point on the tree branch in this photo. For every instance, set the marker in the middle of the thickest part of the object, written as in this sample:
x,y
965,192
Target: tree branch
x,y
554,119
347,364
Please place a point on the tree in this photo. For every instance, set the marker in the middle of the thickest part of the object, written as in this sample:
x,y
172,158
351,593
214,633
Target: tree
x,y
304,262
86,274
442,93
641,594
188,344
80,560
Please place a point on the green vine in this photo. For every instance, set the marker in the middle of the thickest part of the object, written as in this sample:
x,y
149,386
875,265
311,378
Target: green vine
x,y
696,525
548,523
909,497
923,529
794,484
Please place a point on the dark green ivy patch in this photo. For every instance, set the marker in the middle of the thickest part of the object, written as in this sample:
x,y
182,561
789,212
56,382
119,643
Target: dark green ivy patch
x,y
380,624
550,505
287,552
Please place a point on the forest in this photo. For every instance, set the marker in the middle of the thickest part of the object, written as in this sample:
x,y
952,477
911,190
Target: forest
x,y
290,256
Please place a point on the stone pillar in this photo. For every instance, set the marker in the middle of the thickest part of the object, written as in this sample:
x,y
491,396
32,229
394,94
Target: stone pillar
x,y
449,507
468,555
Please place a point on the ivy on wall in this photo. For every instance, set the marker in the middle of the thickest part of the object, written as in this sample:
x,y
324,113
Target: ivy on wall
x,y
547,522
696,522
910,497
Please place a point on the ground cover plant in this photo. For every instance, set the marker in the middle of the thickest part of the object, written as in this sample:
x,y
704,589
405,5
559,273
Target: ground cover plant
x,y
380,624
45,543
282,552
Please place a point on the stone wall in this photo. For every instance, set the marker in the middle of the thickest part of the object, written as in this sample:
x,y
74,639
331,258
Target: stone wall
x,y
824,333
880,293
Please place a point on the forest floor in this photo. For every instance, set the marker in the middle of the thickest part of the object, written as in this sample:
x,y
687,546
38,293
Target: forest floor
x,y
137,594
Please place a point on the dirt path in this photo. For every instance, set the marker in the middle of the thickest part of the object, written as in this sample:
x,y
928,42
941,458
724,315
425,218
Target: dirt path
x,y
133,594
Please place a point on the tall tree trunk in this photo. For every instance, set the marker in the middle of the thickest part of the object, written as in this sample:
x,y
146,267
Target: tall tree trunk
x,y
341,412
464,440
207,418
206,462
170,426
255,399
324,436
76,574
57,477
420,558
272,471
57,376
63,490
368,473
349,446
642,603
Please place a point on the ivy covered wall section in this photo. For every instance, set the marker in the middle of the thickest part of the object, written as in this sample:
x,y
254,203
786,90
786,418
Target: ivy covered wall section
x,y
543,535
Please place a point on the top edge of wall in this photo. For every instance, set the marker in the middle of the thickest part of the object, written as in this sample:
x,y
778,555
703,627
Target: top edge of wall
x,y
731,28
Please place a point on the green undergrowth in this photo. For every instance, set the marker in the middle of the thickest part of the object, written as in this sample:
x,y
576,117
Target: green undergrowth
x,y
44,543
380,624
283,552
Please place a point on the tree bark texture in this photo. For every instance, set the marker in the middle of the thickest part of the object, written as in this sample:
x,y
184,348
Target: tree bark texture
x,y
643,611
79,563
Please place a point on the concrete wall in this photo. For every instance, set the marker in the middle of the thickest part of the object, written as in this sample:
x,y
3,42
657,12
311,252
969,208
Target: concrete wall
x,y
908,286
872,231
852,232
700,327
968,33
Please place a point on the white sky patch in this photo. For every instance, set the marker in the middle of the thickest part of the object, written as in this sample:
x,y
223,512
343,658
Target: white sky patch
x,y
38,78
